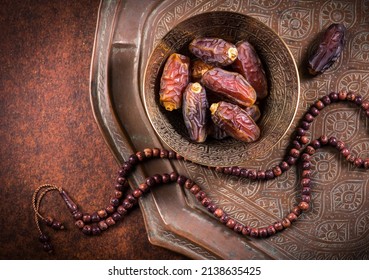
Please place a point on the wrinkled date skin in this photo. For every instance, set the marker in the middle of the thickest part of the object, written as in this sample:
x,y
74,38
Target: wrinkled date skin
x,y
329,49
234,121
249,65
230,85
173,81
198,69
254,112
194,109
214,51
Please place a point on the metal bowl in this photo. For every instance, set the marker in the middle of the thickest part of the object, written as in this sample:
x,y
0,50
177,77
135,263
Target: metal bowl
x,y
279,108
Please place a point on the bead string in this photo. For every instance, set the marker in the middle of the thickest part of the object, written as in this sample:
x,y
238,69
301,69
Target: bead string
x,y
120,203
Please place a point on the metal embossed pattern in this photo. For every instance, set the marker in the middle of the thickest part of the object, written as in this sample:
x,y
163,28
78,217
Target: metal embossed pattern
x,y
279,109
337,225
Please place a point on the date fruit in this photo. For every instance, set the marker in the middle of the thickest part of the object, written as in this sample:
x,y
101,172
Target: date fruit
x,y
329,49
248,64
254,112
194,109
214,51
230,86
216,132
234,121
173,81
198,69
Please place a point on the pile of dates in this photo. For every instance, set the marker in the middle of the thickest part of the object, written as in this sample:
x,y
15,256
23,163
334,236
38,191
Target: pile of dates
x,y
219,91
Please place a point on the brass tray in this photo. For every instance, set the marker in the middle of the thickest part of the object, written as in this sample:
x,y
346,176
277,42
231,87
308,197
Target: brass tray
x,y
337,225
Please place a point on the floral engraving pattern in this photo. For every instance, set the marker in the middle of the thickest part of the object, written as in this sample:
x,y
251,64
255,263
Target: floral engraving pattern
x,y
337,11
333,231
326,168
296,23
359,47
342,123
348,196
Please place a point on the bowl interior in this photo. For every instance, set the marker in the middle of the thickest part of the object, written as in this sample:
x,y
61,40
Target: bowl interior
x,y
278,110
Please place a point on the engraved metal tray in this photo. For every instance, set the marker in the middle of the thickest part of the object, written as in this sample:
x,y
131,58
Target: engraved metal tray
x,y
337,225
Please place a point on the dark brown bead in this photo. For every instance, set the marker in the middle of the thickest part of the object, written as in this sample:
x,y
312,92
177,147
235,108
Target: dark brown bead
x,y
263,232
137,193
144,187
296,144
110,221
164,153
340,145
319,105
278,226
121,181
332,141
365,105
238,227
231,223
326,100
155,152
116,216
305,156
261,175
310,150
306,191
158,179
316,144
304,206
102,213
218,213
306,198
323,140
77,215
366,163
140,156
236,171
345,152
358,162
342,95
150,182
195,189
47,247
114,201
350,158
110,209
102,225
294,153
306,173
121,210
227,170
292,217
44,238
309,117
305,125
304,140
244,172
253,174
165,178
300,131
131,198
119,187
212,207
126,204
118,194
291,160
181,180
219,169
86,218
271,230
269,174
87,229
305,182
333,96
148,152
350,96
188,184
286,223
206,202
254,232
200,195
171,154
306,165
296,211
224,219
95,217
57,225
246,230
277,171
49,221
173,176
358,100
314,111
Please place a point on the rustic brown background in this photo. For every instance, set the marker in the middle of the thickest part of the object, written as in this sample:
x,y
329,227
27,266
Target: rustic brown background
x,y
48,134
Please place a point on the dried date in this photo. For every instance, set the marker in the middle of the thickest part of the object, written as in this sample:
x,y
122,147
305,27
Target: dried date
x,y
254,112
329,49
173,81
194,109
230,86
249,65
198,69
234,121
214,51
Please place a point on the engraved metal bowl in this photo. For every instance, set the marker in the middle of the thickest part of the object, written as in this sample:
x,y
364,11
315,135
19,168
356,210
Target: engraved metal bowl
x,y
279,108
